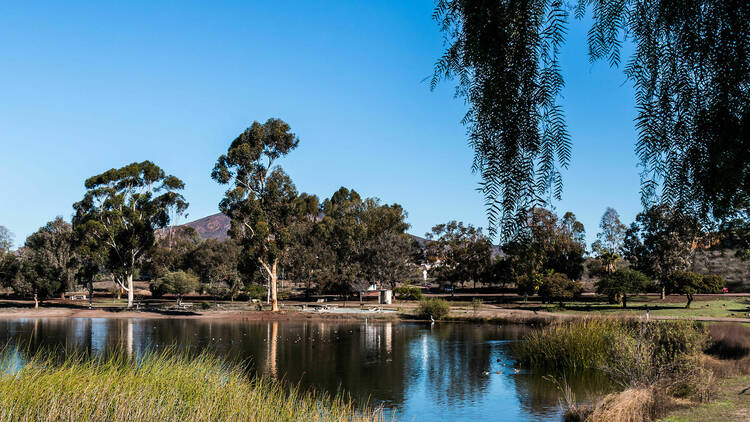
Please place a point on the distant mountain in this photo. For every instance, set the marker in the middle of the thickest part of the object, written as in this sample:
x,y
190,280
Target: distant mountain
x,y
216,227
212,227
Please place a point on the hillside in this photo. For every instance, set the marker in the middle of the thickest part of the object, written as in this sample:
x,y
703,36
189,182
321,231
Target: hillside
x,y
216,226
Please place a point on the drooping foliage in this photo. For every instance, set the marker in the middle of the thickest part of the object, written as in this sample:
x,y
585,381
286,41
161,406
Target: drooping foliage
x,y
690,69
505,57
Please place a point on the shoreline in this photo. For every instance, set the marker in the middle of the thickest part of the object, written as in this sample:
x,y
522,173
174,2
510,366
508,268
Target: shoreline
x,y
495,316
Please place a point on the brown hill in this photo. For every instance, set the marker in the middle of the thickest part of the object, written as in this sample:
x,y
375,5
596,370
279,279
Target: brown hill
x,y
212,227
216,226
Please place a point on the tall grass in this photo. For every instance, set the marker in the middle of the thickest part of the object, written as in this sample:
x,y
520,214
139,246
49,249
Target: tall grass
x,y
159,387
656,364
602,343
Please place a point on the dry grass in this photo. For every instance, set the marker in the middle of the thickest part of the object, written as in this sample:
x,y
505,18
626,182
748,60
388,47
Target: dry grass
x,y
634,405
159,387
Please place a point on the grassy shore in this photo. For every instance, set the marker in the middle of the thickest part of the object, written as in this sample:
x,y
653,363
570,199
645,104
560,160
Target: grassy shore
x,y
159,387
659,366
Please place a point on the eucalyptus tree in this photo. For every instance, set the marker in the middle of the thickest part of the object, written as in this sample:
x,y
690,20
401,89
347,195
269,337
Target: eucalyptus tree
x,y
690,69
610,240
8,261
6,240
662,240
121,211
261,198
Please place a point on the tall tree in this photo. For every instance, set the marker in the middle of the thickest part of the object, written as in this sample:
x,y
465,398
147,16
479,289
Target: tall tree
x,y
610,240
121,211
8,261
660,241
690,68
6,239
260,201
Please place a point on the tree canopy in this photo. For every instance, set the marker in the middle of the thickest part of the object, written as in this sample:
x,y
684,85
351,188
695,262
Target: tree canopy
x,y
458,252
690,69
261,199
121,211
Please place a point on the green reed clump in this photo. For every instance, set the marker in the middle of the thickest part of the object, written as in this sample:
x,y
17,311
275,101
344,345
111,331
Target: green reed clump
x,y
159,387
608,344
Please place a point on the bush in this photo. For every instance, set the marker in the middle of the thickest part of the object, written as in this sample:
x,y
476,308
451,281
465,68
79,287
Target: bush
x,y
617,286
435,308
408,293
179,283
256,291
558,287
690,283
476,304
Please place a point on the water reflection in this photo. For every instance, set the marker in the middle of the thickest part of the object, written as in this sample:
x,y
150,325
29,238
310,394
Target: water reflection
x,y
419,371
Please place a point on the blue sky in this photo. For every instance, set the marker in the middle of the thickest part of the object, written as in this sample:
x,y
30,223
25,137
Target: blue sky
x,y
87,86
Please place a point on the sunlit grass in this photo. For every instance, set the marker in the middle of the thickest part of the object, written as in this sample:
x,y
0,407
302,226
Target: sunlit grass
x,y
160,387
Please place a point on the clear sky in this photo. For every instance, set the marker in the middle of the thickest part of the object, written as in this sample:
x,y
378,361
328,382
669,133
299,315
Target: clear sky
x,y
87,86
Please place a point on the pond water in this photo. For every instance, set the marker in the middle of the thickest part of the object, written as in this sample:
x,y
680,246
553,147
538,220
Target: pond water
x,y
419,372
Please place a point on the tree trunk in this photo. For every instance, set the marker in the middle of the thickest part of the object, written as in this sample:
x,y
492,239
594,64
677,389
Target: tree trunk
x,y
624,301
690,300
130,290
91,293
274,293
663,293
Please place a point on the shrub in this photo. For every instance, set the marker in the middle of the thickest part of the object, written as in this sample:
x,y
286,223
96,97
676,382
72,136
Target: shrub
x,y
179,283
476,304
690,283
256,291
558,287
435,308
408,293
617,286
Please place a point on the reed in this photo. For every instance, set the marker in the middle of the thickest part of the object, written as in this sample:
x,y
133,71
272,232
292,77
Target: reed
x,y
163,386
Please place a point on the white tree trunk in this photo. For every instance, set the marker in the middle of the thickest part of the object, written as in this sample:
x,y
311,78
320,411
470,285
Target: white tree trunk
x,y
130,290
272,279
274,295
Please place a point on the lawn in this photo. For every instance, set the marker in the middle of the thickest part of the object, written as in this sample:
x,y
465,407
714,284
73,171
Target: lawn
x,y
673,306
727,405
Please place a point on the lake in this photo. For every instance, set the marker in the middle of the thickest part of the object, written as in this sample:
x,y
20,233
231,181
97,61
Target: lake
x,y
418,372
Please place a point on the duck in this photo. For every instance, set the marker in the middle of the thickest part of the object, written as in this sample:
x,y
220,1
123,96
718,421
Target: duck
x,y
516,370
486,372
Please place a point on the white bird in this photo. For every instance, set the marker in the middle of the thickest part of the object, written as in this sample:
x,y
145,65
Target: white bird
x,y
432,319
